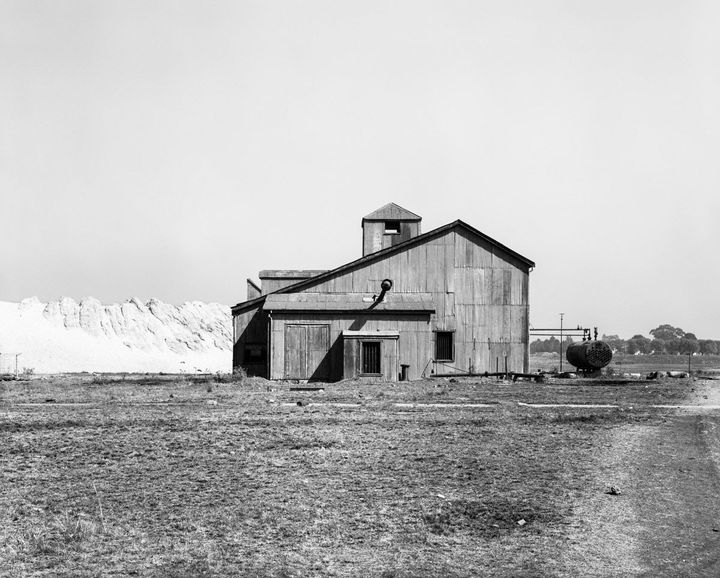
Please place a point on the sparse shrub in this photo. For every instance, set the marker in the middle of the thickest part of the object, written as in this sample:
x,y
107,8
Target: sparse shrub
x,y
63,532
228,377
28,371
37,541
75,529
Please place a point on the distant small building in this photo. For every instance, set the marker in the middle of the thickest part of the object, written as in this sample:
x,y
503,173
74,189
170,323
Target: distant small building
x,y
452,300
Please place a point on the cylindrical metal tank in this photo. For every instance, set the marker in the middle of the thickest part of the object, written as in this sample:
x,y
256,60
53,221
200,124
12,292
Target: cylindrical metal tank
x,y
589,355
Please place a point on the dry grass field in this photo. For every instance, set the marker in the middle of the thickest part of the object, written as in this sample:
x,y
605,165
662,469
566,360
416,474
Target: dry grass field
x,y
167,476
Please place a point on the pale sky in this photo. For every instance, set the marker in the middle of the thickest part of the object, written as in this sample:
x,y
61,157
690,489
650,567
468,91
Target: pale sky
x,y
171,149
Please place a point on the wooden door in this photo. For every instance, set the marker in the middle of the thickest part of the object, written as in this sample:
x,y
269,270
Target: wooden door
x,y
295,351
306,351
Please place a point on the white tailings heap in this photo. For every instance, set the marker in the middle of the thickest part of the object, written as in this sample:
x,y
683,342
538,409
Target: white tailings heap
x,y
67,336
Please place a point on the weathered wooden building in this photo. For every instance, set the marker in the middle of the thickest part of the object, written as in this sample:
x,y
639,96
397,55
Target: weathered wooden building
x,y
456,301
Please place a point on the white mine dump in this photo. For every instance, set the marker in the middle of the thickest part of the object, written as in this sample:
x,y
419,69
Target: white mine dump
x,y
135,336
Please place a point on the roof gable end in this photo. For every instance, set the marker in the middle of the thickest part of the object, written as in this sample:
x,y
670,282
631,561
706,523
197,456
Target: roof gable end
x,y
496,244
392,212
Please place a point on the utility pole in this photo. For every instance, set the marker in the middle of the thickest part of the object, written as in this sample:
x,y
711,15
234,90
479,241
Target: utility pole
x,y
561,339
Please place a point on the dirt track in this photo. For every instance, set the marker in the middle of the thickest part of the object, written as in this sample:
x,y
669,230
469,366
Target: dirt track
x,y
666,520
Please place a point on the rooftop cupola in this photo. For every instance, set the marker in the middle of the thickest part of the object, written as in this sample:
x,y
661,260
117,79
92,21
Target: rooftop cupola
x,y
389,225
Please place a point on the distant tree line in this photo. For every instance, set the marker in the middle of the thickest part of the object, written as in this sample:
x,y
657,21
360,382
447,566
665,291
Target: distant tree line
x,y
549,345
664,339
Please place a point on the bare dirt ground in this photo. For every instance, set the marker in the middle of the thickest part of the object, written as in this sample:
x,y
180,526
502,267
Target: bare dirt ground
x,y
174,477
666,519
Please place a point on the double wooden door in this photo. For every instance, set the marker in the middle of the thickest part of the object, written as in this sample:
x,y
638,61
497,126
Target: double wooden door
x,y
306,352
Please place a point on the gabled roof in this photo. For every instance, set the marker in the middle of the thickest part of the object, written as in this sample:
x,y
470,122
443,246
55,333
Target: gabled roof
x,y
355,302
392,212
299,286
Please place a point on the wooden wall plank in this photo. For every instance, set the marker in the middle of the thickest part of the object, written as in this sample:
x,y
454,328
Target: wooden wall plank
x,y
434,274
482,256
277,350
479,295
460,254
295,351
417,269
408,351
506,286
351,358
448,260
498,286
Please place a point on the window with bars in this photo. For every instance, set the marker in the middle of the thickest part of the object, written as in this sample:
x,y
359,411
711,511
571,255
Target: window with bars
x,y
444,346
371,357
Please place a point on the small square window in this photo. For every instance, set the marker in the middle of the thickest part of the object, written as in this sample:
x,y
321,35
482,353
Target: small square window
x,y
392,227
444,346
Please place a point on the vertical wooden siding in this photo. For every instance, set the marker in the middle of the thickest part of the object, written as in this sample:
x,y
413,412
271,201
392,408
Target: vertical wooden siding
x,y
413,346
479,293
375,238
306,349
353,358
